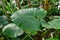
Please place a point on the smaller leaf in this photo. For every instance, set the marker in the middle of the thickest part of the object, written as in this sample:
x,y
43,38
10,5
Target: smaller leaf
x,y
3,21
52,24
11,30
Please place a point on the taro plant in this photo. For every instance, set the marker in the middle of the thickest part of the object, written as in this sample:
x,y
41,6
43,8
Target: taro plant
x,y
29,20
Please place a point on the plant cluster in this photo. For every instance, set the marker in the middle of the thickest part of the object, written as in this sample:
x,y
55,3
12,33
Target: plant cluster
x,y
29,20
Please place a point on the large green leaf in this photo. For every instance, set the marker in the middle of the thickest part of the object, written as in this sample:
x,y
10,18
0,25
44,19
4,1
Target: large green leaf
x,y
2,21
25,18
29,24
11,30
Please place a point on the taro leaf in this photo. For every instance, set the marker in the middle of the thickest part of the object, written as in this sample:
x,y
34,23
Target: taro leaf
x,y
11,30
52,24
25,18
2,21
29,24
52,39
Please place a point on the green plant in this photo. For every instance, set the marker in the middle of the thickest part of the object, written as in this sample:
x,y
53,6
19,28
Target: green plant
x,y
27,20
